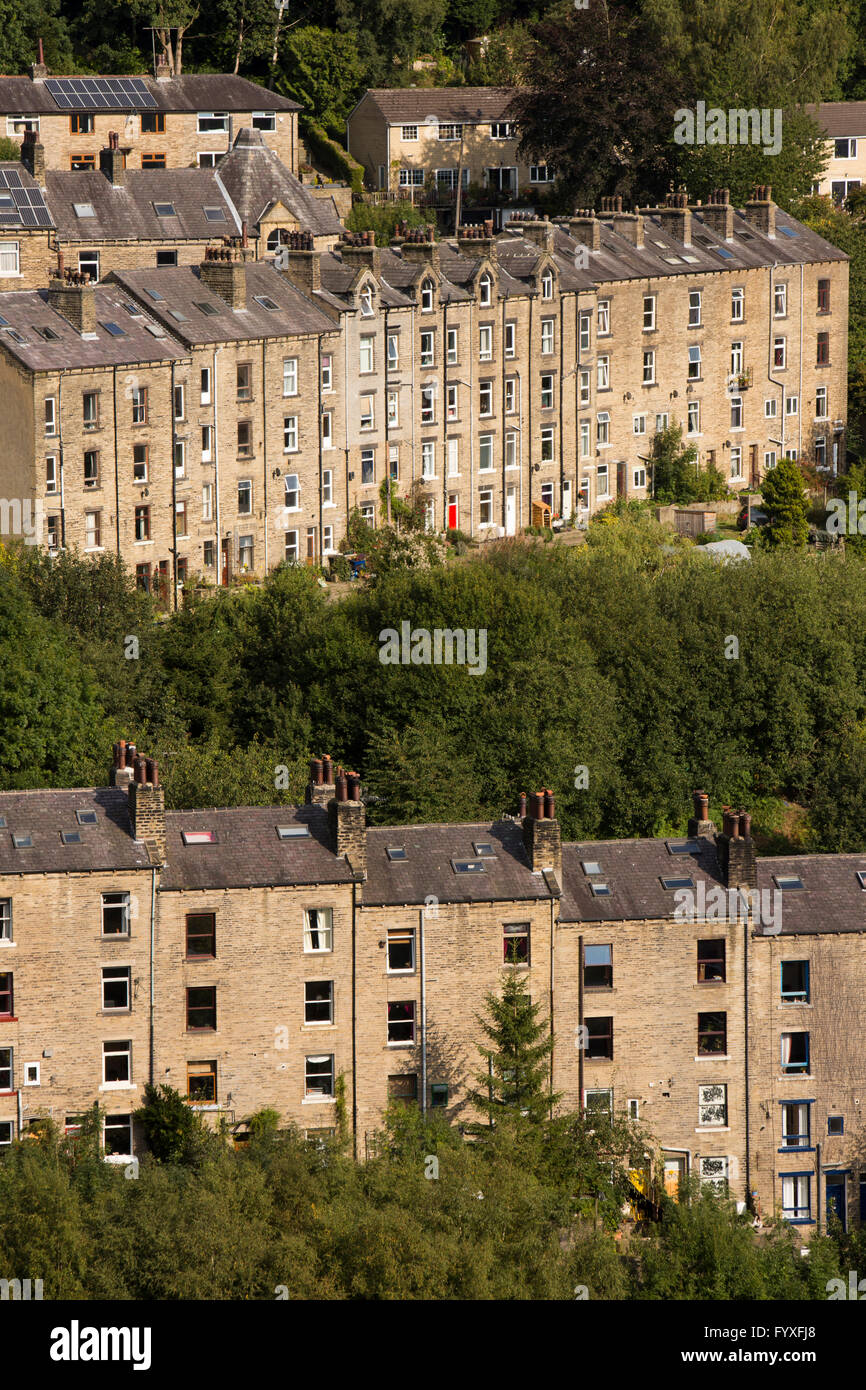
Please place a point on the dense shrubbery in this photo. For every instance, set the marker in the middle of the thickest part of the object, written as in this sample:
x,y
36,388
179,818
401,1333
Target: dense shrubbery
x,y
513,1217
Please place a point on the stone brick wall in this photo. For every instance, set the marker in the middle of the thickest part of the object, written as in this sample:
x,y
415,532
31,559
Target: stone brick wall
x,y
180,143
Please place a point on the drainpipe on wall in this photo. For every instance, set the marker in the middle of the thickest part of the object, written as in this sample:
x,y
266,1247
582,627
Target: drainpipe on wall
x,y
116,477
218,558
504,426
152,992
529,413
444,351
387,430
800,387
321,450
60,452
552,926
561,410
173,497
580,1050
773,268
423,1013
265,448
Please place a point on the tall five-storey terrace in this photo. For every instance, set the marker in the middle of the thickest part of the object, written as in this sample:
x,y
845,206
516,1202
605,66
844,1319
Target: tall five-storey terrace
x,y
505,379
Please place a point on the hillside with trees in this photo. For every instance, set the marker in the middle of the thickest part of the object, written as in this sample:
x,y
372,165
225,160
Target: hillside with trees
x,y
611,656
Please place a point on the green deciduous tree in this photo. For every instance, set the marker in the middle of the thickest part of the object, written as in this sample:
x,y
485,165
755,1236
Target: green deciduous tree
x,y
600,102
321,69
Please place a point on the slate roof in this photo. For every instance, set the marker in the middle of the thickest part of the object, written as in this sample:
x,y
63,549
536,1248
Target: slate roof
x,y
831,899
662,254
182,292
247,852
467,105
189,92
840,118
633,870
428,870
107,846
255,178
127,213
26,310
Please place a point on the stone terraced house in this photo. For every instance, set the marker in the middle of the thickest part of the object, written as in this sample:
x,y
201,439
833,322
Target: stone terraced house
x,y
291,956
504,380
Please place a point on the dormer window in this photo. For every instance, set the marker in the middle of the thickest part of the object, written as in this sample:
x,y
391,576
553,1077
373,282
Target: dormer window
x,y
547,285
485,291
427,297
367,310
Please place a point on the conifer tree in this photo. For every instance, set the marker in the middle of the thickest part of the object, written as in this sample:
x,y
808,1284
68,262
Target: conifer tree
x,y
516,1081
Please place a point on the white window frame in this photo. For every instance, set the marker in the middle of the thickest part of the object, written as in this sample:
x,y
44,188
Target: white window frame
x,y
291,489
290,376
10,259
119,1052
210,118
324,931
290,434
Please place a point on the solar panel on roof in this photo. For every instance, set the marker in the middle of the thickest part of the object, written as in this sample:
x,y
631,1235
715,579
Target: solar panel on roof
x,y
99,93
10,178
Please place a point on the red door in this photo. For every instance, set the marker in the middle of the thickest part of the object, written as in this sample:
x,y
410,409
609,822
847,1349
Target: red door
x,y
452,513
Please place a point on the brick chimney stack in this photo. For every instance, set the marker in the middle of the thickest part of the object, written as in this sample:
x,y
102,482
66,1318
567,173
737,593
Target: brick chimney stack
x,y
147,807
476,240
33,156
736,850
699,823
321,789
718,213
360,249
224,271
111,161
300,263
541,836
675,217
71,294
418,244
760,210
585,227
625,224
161,71
539,230
347,821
